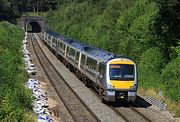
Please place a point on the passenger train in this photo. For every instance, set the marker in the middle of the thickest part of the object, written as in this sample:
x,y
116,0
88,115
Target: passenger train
x,y
113,76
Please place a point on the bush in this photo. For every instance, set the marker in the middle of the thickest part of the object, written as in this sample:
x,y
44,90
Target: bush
x,y
135,28
171,78
151,63
15,99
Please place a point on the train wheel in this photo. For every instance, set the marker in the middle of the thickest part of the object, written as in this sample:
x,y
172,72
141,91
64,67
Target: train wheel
x,y
86,82
95,87
72,69
101,93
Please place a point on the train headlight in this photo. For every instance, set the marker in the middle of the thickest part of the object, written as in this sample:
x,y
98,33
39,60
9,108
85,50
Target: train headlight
x,y
109,85
134,87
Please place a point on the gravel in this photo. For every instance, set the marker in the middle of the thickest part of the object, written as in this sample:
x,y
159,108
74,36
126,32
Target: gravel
x,y
102,111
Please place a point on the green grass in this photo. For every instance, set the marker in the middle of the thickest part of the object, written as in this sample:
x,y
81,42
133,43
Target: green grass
x,y
172,106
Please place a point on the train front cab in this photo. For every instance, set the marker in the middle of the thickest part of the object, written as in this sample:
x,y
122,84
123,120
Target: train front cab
x,y
121,80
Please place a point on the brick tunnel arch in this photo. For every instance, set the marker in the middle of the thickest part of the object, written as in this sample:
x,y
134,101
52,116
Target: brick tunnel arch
x,y
33,27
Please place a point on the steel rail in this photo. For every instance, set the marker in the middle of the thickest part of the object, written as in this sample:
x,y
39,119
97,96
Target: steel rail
x,y
116,110
142,115
73,104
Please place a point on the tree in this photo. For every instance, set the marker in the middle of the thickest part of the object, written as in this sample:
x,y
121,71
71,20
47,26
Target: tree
x,y
168,24
171,79
150,66
4,9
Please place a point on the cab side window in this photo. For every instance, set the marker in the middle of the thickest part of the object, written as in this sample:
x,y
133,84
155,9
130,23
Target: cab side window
x,y
101,70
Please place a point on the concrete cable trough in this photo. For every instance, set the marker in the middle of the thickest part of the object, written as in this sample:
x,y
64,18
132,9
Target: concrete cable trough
x,y
28,65
40,105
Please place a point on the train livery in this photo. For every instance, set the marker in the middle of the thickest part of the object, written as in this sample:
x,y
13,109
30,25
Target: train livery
x,y
113,76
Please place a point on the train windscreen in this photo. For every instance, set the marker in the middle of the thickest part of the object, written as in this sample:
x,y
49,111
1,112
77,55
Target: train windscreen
x,y
122,72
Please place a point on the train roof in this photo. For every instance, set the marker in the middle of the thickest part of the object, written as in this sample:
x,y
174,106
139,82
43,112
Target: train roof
x,y
92,52
52,33
95,53
98,54
78,45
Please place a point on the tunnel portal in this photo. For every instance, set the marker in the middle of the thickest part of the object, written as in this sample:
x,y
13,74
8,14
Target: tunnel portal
x,y
34,24
33,27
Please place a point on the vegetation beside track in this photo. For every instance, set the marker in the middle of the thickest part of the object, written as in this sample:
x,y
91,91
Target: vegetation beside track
x,y
15,99
145,30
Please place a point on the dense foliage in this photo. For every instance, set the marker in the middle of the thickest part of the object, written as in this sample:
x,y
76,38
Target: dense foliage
x,y
14,8
145,30
10,9
15,99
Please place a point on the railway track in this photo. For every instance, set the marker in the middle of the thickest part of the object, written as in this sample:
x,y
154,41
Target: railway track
x,y
75,106
130,113
127,112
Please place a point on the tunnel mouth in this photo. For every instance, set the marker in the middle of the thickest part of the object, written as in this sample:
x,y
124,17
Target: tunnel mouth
x,y
33,27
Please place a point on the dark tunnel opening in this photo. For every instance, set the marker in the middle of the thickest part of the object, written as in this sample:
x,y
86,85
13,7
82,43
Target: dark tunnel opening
x,y
33,27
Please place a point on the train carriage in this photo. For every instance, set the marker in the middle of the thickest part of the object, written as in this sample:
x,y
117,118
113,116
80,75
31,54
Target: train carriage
x,y
115,77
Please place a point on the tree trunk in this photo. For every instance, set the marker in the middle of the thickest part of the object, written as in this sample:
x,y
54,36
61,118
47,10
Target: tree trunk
x,y
34,8
37,7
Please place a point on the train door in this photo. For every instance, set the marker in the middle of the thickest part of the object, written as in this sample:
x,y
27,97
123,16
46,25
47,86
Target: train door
x,y
101,76
65,52
47,39
77,55
44,36
91,65
83,63
79,61
72,53
97,72
51,41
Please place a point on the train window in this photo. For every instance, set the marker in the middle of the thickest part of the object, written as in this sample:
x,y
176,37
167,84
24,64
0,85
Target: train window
x,y
67,50
91,64
121,72
62,46
101,69
46,36
83,59
72,52
54,41
59,43
77,57
49,37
